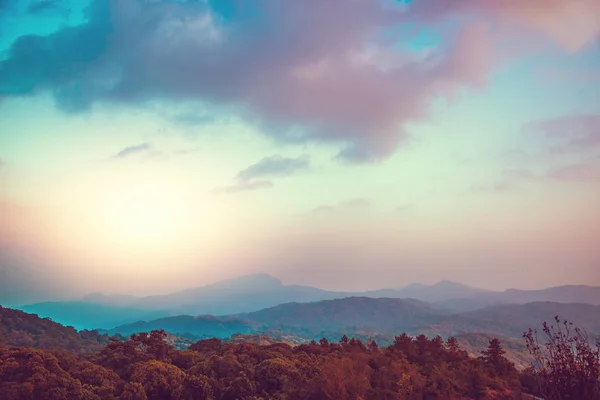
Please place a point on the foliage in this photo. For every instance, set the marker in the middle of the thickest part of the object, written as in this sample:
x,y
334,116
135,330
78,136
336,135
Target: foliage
x,y
147,367
18,328
567,365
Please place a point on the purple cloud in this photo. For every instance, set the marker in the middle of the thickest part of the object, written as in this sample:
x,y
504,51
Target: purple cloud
x,y
552,19
320,71
569,133
298,70
581,172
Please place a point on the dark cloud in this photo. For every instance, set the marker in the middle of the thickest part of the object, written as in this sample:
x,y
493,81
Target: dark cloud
x,y
5,4
324,71
273,166
132,150
298,70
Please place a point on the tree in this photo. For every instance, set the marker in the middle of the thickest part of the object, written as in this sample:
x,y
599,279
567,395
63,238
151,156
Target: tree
x,y
452,344
372,346
494,355
160,380
566,365
494,358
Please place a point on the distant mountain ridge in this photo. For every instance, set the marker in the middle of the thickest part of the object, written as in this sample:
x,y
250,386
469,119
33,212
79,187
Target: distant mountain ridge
x,y
381,319
199,326
256,292
352,313
83,315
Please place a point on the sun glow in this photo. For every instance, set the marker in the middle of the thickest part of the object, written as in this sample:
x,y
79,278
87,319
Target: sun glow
x,y
146,214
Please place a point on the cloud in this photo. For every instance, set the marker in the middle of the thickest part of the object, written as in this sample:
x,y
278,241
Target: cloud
x,y
4,4
252,178
571,133
580,172
334,78
346,205
404,208
299,71
245,186
587,170
509,180
132,150
519,174
273,166
44,6
501,186
555,19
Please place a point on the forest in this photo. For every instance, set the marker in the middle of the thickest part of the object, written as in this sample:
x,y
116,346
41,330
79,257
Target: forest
x,y
85,365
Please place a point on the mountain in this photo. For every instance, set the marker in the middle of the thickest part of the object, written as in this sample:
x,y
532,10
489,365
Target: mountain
x,y
18,328
346,315
243,294
117,300
559,294
256,292
82,315
441,291
201,327
331,318
514,319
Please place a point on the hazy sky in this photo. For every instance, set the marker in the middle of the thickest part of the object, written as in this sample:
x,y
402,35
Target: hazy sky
x,y
152,145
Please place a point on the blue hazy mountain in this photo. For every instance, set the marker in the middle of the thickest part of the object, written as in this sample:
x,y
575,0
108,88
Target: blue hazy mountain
x,y
260,291
85,315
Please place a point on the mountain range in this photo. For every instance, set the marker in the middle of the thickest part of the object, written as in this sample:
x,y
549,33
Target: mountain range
x,y
380,319
252,293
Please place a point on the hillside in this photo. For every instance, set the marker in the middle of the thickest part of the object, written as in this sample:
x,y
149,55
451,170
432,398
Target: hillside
x,y
516,351
352,314
200,327
559,294
514,319
18,328
380,319
147,367
438,292
86,315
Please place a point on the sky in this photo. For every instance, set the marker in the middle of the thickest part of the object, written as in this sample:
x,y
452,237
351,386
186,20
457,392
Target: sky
x,y
152,145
